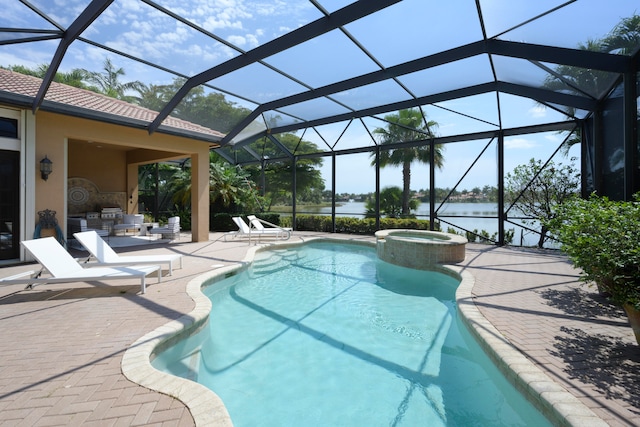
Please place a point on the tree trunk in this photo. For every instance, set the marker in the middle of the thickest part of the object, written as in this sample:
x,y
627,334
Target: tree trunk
x,y
406,191
634,319
543,236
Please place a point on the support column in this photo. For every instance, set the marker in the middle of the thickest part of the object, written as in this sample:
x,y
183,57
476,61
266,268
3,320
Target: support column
x,y
501,215
294,178
132,189
630,137
333,191
200,196
432,186
377,187
598,150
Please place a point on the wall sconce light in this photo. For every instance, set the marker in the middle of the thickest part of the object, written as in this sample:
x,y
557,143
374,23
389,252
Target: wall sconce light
x,y
46,167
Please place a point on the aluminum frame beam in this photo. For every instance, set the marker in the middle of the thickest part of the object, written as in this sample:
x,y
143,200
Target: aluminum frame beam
x,y
77,27
511,88
347,14
564,56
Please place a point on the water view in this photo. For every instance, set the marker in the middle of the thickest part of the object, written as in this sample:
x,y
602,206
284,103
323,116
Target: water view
x,y
460,216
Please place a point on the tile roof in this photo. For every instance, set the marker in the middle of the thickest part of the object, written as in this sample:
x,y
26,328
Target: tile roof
x,y
96,104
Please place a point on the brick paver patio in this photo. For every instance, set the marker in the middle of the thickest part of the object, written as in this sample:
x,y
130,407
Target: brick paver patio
x,y
62,345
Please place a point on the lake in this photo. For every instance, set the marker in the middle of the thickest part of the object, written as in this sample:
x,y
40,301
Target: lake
x,y
461,216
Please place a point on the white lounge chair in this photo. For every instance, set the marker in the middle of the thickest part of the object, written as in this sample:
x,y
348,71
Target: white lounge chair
x,y
242,231
259,225
245,231
105,255
64,269
170,231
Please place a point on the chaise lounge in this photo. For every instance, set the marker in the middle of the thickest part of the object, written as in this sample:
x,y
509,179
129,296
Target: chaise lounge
x,y
105,255
64,269
245,231
259,225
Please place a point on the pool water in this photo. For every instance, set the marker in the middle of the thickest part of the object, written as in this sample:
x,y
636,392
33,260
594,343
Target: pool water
x,y
328,335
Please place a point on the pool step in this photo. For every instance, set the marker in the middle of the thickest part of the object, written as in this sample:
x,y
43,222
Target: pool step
x,y
277,261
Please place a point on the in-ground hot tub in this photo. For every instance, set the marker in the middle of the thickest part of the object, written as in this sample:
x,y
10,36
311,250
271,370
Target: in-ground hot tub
x,y
419,249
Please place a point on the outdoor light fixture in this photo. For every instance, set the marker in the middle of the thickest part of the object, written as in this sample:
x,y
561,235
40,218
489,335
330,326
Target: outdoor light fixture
x,y
46,167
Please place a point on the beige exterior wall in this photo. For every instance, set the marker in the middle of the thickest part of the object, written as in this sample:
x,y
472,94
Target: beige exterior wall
x,y
108,155
106,166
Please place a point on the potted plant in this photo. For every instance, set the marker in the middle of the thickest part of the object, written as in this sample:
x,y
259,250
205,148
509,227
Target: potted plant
x,y
602,238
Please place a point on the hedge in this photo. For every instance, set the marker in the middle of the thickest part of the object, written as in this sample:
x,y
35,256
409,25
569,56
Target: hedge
x,y
321,223
348,225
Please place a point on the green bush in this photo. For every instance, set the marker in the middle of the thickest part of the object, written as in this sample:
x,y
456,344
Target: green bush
x,y
602,238
221,222
348,225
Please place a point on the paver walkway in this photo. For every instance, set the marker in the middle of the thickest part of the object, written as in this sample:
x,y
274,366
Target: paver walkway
x,y
580,340
61,345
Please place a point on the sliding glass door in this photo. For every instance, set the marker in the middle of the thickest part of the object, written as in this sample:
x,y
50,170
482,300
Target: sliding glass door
x,y
9,204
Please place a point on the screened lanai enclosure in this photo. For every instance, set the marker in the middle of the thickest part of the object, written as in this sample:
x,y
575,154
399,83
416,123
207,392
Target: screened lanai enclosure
x,y
323,84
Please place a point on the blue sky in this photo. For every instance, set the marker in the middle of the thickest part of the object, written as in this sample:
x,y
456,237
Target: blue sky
x,y
460,156
397,34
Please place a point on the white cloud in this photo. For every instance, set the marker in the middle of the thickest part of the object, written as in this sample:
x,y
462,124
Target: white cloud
x,y
197,51
131,6
519,144
216,23
538,111
239,41
246,42
554,137
252,40
22,58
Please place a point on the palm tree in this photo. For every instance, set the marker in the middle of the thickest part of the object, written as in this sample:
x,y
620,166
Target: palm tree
x,y
623,39
390,203
407,125
230,187
108,82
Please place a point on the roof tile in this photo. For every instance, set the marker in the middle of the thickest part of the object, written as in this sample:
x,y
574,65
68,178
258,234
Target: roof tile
x,y
22,84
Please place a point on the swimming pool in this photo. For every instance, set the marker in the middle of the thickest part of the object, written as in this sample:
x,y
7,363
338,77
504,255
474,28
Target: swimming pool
x,y
327,334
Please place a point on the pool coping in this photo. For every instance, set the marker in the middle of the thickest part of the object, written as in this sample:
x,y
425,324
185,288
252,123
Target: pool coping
x,y
560,406
206,407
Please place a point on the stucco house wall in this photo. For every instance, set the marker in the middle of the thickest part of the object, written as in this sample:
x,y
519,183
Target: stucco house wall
x,y
100,140
103,152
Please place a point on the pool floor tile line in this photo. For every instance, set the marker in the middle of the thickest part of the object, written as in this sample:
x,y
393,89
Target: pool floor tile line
x,y
63,345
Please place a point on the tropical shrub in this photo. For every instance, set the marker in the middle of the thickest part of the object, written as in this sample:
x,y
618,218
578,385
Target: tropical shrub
x,y
366,226
602,238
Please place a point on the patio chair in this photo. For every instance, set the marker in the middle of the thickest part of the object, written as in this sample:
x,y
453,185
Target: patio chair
x,y
259,225
130,222
64,269
105,255
171,231
242,231
78,225
245,231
